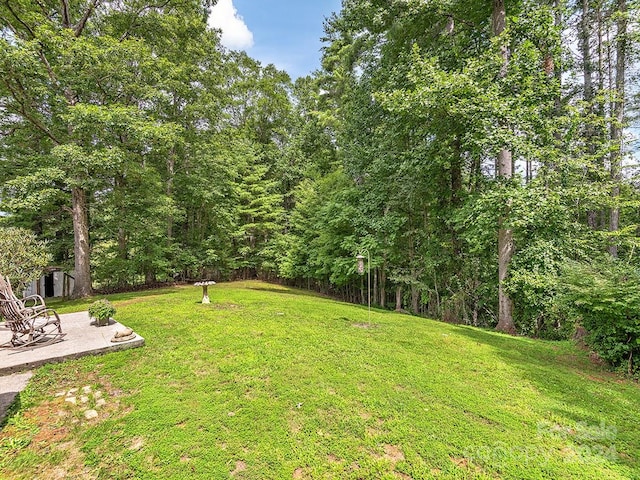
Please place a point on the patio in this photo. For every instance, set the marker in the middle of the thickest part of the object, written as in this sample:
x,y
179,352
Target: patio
x,y
82,338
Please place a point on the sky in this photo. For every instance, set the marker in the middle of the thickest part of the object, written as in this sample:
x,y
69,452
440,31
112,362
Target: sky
x,y
283,32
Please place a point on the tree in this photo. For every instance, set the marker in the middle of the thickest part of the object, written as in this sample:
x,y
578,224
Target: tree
x,y
606,295
22,256
72,76
505,172
618,121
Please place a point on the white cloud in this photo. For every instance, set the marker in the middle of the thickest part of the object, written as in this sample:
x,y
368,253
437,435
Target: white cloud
x,y
235,33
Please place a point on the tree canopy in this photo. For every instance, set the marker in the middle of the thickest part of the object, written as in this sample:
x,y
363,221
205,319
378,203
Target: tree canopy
x,y
471,149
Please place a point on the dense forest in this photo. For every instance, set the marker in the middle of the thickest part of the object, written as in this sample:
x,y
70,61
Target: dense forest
x,y
479,153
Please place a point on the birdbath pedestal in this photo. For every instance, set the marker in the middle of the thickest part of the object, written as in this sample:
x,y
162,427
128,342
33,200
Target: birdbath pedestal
x,y
205,293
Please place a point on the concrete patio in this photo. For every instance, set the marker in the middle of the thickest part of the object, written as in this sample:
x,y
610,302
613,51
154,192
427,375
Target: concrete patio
x,y
82,338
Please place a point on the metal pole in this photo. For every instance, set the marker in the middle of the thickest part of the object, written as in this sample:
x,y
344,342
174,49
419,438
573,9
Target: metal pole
x,y
369,283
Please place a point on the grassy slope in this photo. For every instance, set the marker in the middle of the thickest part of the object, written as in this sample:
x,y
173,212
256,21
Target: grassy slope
x,y
269,382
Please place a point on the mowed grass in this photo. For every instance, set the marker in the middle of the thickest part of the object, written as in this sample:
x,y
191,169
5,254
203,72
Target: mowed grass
x,y
269,382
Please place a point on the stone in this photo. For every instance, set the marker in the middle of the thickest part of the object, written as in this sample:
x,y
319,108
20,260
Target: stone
x,y
100,402
89,414
123,333
137,444
124,338
61,394
70,400
72,391
98,394
84,399
86,389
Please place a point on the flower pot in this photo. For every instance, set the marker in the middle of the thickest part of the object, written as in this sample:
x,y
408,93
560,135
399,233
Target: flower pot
x,y
102,322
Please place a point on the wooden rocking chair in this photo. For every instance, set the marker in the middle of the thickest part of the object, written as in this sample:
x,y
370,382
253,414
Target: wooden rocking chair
x,y
29,319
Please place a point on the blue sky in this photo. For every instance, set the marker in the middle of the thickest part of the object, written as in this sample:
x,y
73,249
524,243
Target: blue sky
x,y
283,32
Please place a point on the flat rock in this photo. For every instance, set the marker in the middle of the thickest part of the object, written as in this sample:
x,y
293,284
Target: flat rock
x,y
89,414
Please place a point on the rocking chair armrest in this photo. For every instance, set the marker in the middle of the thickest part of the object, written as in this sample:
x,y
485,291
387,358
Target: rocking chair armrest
x,y
32,296
36,299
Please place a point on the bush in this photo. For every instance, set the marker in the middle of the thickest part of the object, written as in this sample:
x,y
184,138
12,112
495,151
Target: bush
x,y
606,297
22,256
533,285
102,310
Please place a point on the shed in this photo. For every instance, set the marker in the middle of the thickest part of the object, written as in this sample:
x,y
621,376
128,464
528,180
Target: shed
x,y
55,282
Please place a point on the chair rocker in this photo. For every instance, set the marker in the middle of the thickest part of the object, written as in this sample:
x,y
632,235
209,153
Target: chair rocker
x,y
29,319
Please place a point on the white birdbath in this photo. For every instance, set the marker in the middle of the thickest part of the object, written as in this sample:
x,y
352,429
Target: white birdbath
x,y
205,293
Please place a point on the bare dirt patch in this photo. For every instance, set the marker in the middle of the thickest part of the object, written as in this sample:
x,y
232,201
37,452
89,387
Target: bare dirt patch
x,y
464,464
331,458
404,476
240,467
393,453
460,462
55,420
136,444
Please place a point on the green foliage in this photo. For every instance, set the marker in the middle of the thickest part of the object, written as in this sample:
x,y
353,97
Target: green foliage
x,y
22,256
199,162
102,310
176,144
606,296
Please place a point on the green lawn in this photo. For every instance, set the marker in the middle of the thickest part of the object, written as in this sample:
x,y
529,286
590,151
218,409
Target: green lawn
x,y
274,383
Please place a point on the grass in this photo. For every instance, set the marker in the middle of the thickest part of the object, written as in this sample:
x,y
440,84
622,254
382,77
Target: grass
x,y
273,383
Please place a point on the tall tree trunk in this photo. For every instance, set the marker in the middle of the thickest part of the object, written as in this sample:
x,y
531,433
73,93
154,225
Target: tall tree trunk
x,y
415,299
398,298
602,74
456,191
375,285
122,234
171,164
617,125
587,64
585,35
505,304
383,286
504,170
82,286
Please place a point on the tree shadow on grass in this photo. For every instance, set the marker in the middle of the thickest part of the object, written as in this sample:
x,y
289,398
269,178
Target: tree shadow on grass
x,y
566,375
57,303
283,290
577,394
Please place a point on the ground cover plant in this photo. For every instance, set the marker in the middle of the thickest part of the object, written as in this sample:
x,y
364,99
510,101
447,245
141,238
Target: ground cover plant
x,y
272,382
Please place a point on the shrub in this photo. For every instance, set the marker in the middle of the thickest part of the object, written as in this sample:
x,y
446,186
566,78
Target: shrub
x,y
102,310
22,256
606,297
